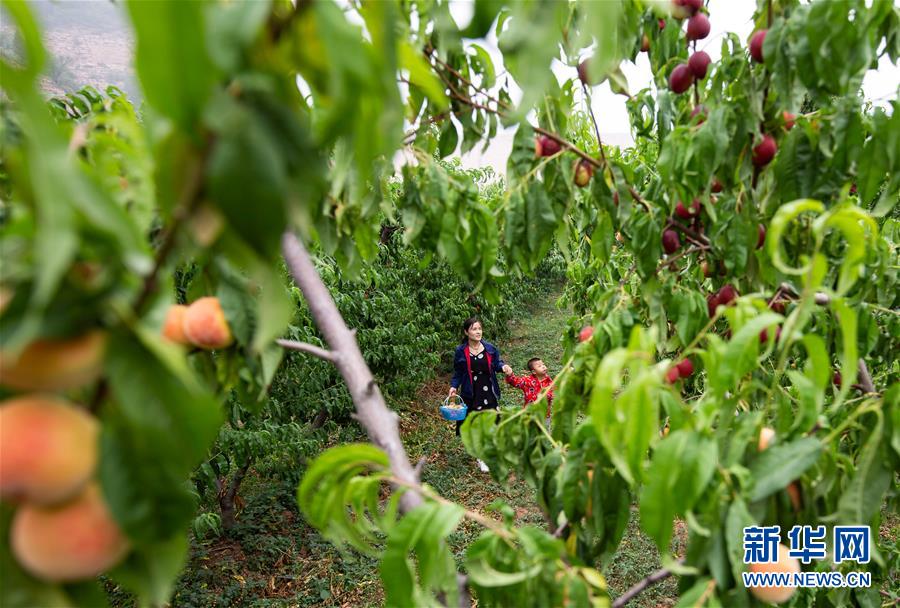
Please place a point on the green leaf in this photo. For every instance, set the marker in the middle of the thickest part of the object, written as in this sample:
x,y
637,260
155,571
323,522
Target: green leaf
x,y
862,498
448,140
483,64
738,518
172,60
231,29
335,497
739,356
846,317
157,431
625,421
483,16
420,75
422,530
529,41
779,224
152,570
858,228
682,465
274,306
485,575
246,171
781,464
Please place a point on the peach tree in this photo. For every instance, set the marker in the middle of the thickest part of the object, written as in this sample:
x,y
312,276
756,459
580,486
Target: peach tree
x,y
721,271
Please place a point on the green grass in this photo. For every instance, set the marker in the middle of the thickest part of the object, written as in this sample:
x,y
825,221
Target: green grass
x,y
274,559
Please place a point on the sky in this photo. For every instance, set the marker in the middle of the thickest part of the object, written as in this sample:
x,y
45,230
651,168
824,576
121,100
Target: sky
x,y
736,16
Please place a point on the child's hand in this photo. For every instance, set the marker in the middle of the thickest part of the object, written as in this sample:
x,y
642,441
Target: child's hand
x,y
507,370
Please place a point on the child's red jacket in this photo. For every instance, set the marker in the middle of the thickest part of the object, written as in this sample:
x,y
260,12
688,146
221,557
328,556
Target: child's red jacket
x,y
532,387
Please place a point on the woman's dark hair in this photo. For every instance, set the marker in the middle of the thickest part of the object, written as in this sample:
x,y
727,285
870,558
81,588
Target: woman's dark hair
x,y
466,325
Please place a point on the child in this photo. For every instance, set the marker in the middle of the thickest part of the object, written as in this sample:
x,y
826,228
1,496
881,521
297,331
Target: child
x,y
534,384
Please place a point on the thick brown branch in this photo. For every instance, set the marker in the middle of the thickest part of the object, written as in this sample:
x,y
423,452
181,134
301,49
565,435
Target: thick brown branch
x,y
641,586
372,412
306,347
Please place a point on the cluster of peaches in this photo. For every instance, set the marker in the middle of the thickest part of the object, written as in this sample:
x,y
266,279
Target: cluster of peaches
x,y
62,529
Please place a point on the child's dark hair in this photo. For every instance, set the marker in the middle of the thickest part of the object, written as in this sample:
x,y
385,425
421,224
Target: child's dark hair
x,y
466,325
531,362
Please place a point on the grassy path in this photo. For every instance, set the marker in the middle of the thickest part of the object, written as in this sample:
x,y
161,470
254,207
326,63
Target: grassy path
x,y
275,559
453,473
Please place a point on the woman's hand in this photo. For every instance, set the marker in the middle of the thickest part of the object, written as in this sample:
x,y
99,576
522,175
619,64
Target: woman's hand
x,y
507,370
452,392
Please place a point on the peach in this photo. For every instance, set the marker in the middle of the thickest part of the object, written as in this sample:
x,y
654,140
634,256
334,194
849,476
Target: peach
x,y
48,448
586,333
785,563
766,436
756,45
55,364
205,324
173,326
70,542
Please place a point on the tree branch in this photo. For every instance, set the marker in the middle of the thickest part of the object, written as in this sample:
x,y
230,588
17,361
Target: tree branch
x,y
561,530
372,412
429,52
673,223
587,96
683,253
308,348
570,146
642,585
865,379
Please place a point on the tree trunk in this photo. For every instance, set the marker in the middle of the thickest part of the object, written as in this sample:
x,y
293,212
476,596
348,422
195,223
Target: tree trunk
x,y
227,495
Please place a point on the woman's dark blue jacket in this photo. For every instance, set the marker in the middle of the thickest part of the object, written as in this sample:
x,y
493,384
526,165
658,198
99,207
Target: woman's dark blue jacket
x,y
462,376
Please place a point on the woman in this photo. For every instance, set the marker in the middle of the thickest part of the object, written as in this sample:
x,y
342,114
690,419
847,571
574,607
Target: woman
x,y
475,367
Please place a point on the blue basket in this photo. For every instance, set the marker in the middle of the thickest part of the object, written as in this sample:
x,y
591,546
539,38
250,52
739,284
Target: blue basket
x,y
453,413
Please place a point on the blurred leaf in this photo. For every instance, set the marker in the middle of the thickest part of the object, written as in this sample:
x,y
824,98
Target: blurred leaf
x,y
420,75
682,465
422,530
171,58
231,28
863,497
247,172
781,464
151,571
448,140
157,432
